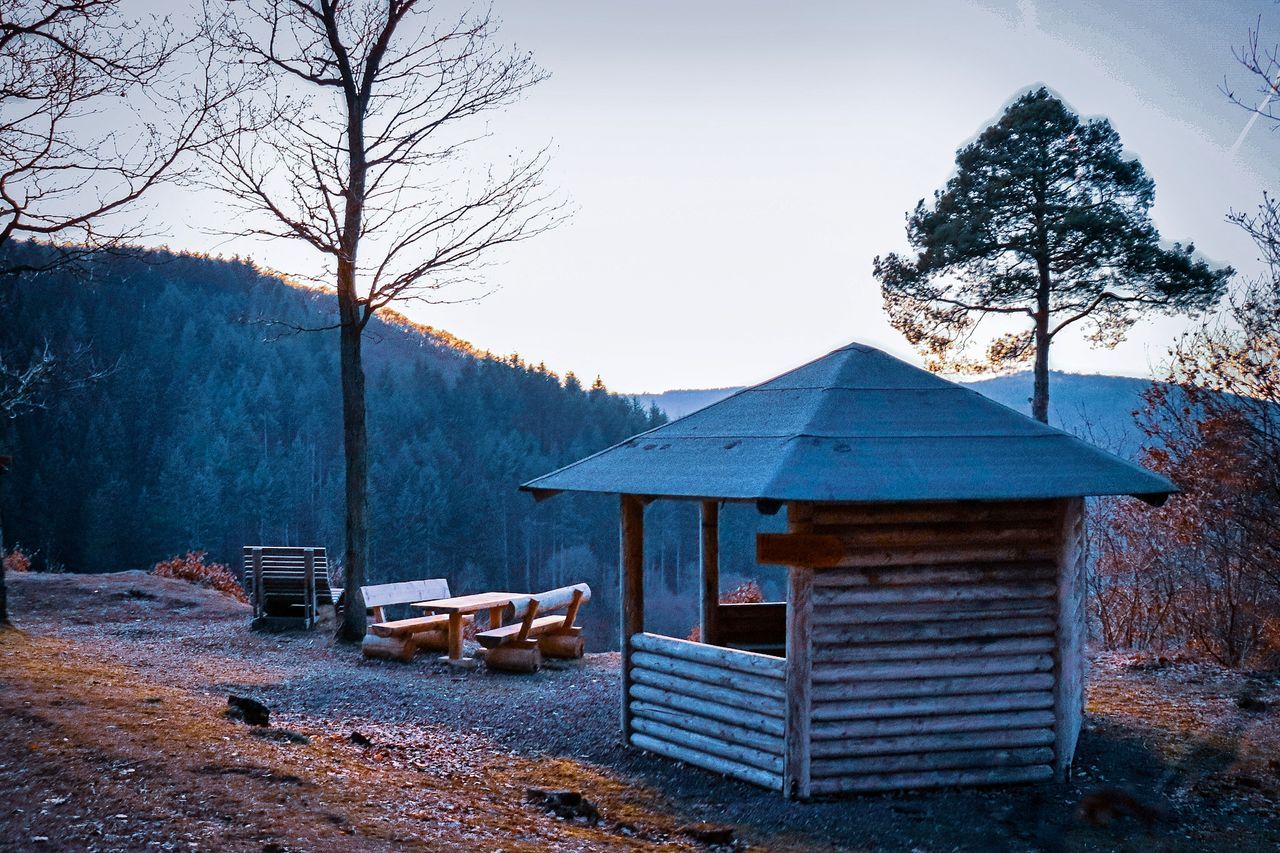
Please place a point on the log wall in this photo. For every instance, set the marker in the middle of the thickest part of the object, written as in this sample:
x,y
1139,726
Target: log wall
x,y
954,660
716,708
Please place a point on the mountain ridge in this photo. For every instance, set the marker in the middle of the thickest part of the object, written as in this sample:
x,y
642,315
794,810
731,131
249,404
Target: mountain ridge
x,y
1097,406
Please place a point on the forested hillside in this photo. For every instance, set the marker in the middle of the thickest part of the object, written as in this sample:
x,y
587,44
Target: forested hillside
x,y
219,427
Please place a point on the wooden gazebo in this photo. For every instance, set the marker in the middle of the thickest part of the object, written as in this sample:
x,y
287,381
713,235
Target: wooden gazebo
x,y
933,628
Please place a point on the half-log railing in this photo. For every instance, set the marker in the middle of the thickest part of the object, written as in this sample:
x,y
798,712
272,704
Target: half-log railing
x,y
716,708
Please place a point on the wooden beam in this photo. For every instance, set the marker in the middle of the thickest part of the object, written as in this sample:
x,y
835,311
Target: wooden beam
x,y
1068,705
799,682
710,570
824,551
813,551
631,593
309,587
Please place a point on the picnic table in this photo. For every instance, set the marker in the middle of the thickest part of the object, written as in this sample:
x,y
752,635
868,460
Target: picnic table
x,y
456,607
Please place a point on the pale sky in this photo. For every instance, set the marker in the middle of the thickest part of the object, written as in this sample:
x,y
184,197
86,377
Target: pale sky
x,y
735,166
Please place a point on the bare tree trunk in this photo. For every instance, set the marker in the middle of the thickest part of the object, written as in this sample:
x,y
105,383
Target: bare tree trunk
x,y
356,450
4,595
1040,386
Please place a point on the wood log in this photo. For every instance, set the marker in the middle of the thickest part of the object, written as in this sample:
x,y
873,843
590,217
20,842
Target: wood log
x,y
720,695
960,534
934,612
309,587
551,600
389,648
909,632
526,632
562,645
714,763
770,744
710,710
404,592
932,779
825,551
513,658
799,681
521,638
771,687
436,641
630,592
922,743
709,745
709,564
1069,690
455,636
842,730
734,659
946,593
409,627
958,760
967,630
932,512
975,665
875,690
939,705
257,591
988,648
1044,571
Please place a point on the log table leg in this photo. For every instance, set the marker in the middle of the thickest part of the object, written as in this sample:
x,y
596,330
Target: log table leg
x,y
455,637
495,617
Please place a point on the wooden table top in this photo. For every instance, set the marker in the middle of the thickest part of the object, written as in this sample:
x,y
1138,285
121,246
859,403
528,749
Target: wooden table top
x,y
469,603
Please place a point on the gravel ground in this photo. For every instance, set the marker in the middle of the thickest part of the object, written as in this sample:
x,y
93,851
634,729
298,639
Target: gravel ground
x,y
1173,735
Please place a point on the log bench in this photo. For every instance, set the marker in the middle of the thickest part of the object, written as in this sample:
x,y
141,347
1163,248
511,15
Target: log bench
x,y
520,647
402,638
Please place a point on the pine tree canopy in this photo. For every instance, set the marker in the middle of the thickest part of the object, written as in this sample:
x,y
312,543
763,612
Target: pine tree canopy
x,y
1045,223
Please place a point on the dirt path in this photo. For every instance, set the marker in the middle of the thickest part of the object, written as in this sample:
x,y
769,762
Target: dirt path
x,y
112,693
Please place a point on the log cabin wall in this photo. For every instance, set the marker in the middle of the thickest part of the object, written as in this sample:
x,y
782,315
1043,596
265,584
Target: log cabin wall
x,y
716,708
944,645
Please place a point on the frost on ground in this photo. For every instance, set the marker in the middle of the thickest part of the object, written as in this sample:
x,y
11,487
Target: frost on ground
x,y
112,696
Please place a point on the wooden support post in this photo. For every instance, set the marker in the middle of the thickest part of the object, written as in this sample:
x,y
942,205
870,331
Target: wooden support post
x,y
495,617
309,587
258,606
455,637
799,682
797,740
631,594
522,638
571,612
1068,688
710,571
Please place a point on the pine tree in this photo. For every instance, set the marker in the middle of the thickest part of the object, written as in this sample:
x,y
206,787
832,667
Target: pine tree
x,y
1045,223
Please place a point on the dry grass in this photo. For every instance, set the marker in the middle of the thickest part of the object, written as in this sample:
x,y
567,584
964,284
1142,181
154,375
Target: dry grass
x,y
328,794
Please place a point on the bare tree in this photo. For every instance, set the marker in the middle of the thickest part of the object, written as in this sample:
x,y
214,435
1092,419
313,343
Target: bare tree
x,y
26,386
352,142
95,111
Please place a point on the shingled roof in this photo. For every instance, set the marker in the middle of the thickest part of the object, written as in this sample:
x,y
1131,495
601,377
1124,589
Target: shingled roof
x,y
857,425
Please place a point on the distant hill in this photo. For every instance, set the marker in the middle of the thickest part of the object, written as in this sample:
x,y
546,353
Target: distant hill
x,y
220,427
1095,406
680,402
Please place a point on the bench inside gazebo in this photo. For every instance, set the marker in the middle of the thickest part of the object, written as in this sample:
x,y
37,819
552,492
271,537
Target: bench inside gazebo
x,y
933,629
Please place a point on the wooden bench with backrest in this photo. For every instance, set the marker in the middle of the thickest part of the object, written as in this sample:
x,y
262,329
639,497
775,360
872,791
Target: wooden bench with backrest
x,y
287,584
519,647
400,639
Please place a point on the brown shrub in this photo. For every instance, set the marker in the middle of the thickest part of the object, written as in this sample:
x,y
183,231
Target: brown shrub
x,y
17,560
192,568
747,592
